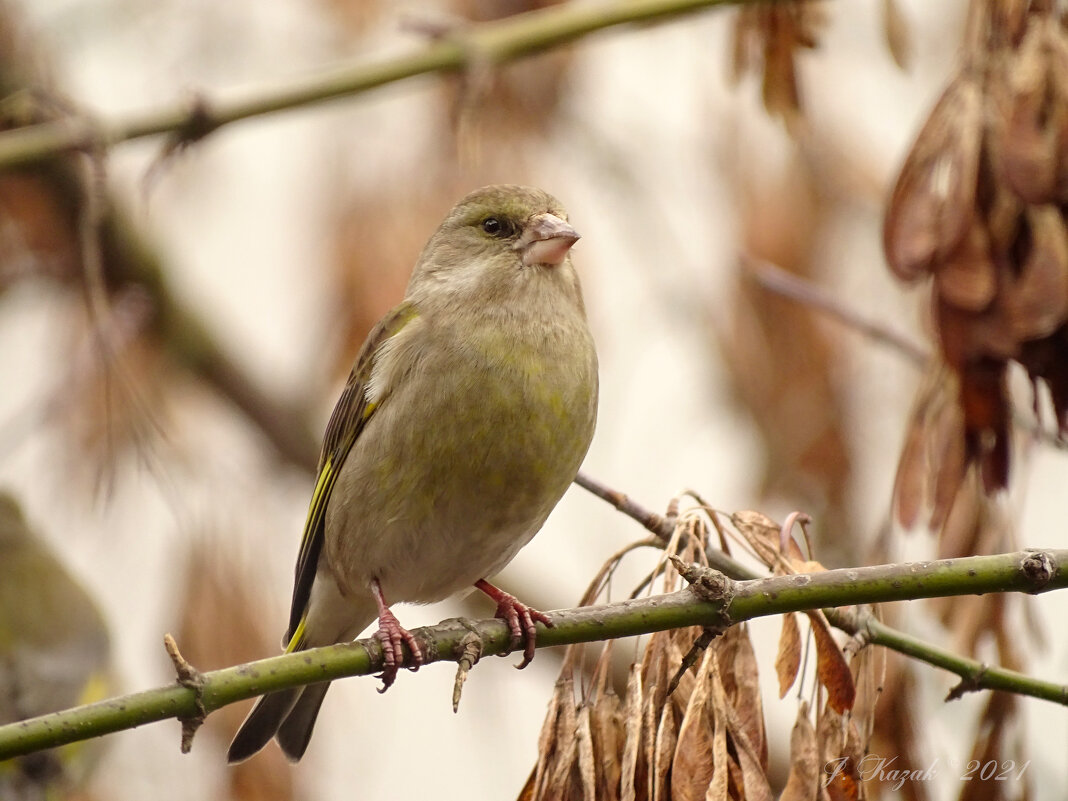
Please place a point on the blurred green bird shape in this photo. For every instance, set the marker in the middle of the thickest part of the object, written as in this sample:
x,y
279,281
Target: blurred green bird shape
x,y
54,654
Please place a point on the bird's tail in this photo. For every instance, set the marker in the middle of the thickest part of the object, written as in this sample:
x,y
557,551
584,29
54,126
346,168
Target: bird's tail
x,y
288,715
296,730
262,723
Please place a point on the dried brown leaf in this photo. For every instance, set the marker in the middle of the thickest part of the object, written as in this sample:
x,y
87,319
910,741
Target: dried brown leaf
x,y
933,462
995,744
841,754
741,676
967,278
933,201
831,666
950,461
761,532
966,336
719,789
1036,302
844,787
987,416
803,782
546,746
1033,141
586,763
681,646
841,779
692,768
961,535
751,772
772,36
662,655
869,673
657,666
558,742
830,733
788,658
898,727
1047,359
765,537
720,753
632,729
911,480
606,726
667,731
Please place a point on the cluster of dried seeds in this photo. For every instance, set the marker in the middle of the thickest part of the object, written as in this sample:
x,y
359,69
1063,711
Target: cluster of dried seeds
x,y
669,732
981,206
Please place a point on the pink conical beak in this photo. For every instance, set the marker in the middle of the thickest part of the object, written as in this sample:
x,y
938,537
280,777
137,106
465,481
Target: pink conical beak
x,y
546,239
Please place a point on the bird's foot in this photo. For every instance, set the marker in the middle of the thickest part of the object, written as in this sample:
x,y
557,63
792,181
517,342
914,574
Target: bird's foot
x,y
519,617
393,637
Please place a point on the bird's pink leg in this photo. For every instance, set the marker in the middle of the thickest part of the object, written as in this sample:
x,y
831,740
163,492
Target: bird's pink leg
x,y
519,617
393,636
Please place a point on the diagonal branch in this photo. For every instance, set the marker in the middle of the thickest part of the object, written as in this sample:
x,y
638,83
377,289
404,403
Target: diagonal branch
x,y
714,600
494,42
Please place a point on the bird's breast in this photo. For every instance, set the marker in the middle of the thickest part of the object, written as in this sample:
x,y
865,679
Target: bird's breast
x,y
465,458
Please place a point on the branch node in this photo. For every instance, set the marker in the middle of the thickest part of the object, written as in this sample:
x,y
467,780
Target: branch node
x,y
857,643
193,679
198,123
968,684
470,648
1038,567
707,583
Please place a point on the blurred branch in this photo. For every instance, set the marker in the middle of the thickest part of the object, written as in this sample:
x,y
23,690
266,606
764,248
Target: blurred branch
x,y
474,46
105,255
784,283
713,600
660,525
125,260
775,279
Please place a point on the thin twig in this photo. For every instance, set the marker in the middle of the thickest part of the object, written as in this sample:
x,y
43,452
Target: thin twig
x,y
659,525
781,282
494,42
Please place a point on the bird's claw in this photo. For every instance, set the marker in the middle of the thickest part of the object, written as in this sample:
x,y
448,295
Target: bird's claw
x,y
392,636
521,619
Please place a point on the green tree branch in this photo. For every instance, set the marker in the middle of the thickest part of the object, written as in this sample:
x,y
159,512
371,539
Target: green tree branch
x,y
712,600
473,46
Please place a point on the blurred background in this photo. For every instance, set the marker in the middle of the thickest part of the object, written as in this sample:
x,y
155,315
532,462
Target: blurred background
x,y
164,390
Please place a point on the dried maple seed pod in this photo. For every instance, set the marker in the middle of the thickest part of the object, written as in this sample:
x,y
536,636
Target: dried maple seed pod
x,y
1033,141
933,202
1036,300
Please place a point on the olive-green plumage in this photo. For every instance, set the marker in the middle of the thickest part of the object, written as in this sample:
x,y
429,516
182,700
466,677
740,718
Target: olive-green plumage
x,y
54,654
465,418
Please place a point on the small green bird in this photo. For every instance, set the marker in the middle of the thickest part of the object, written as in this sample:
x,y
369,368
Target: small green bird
x,y
54,654
465,418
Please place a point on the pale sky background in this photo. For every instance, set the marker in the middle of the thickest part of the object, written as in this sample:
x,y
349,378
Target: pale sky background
x,y
247,206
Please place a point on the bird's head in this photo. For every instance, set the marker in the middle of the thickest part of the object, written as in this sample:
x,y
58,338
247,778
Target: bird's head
x,y
499,237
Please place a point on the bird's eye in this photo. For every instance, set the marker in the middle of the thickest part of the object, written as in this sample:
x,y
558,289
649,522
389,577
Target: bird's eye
x,y
495,226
